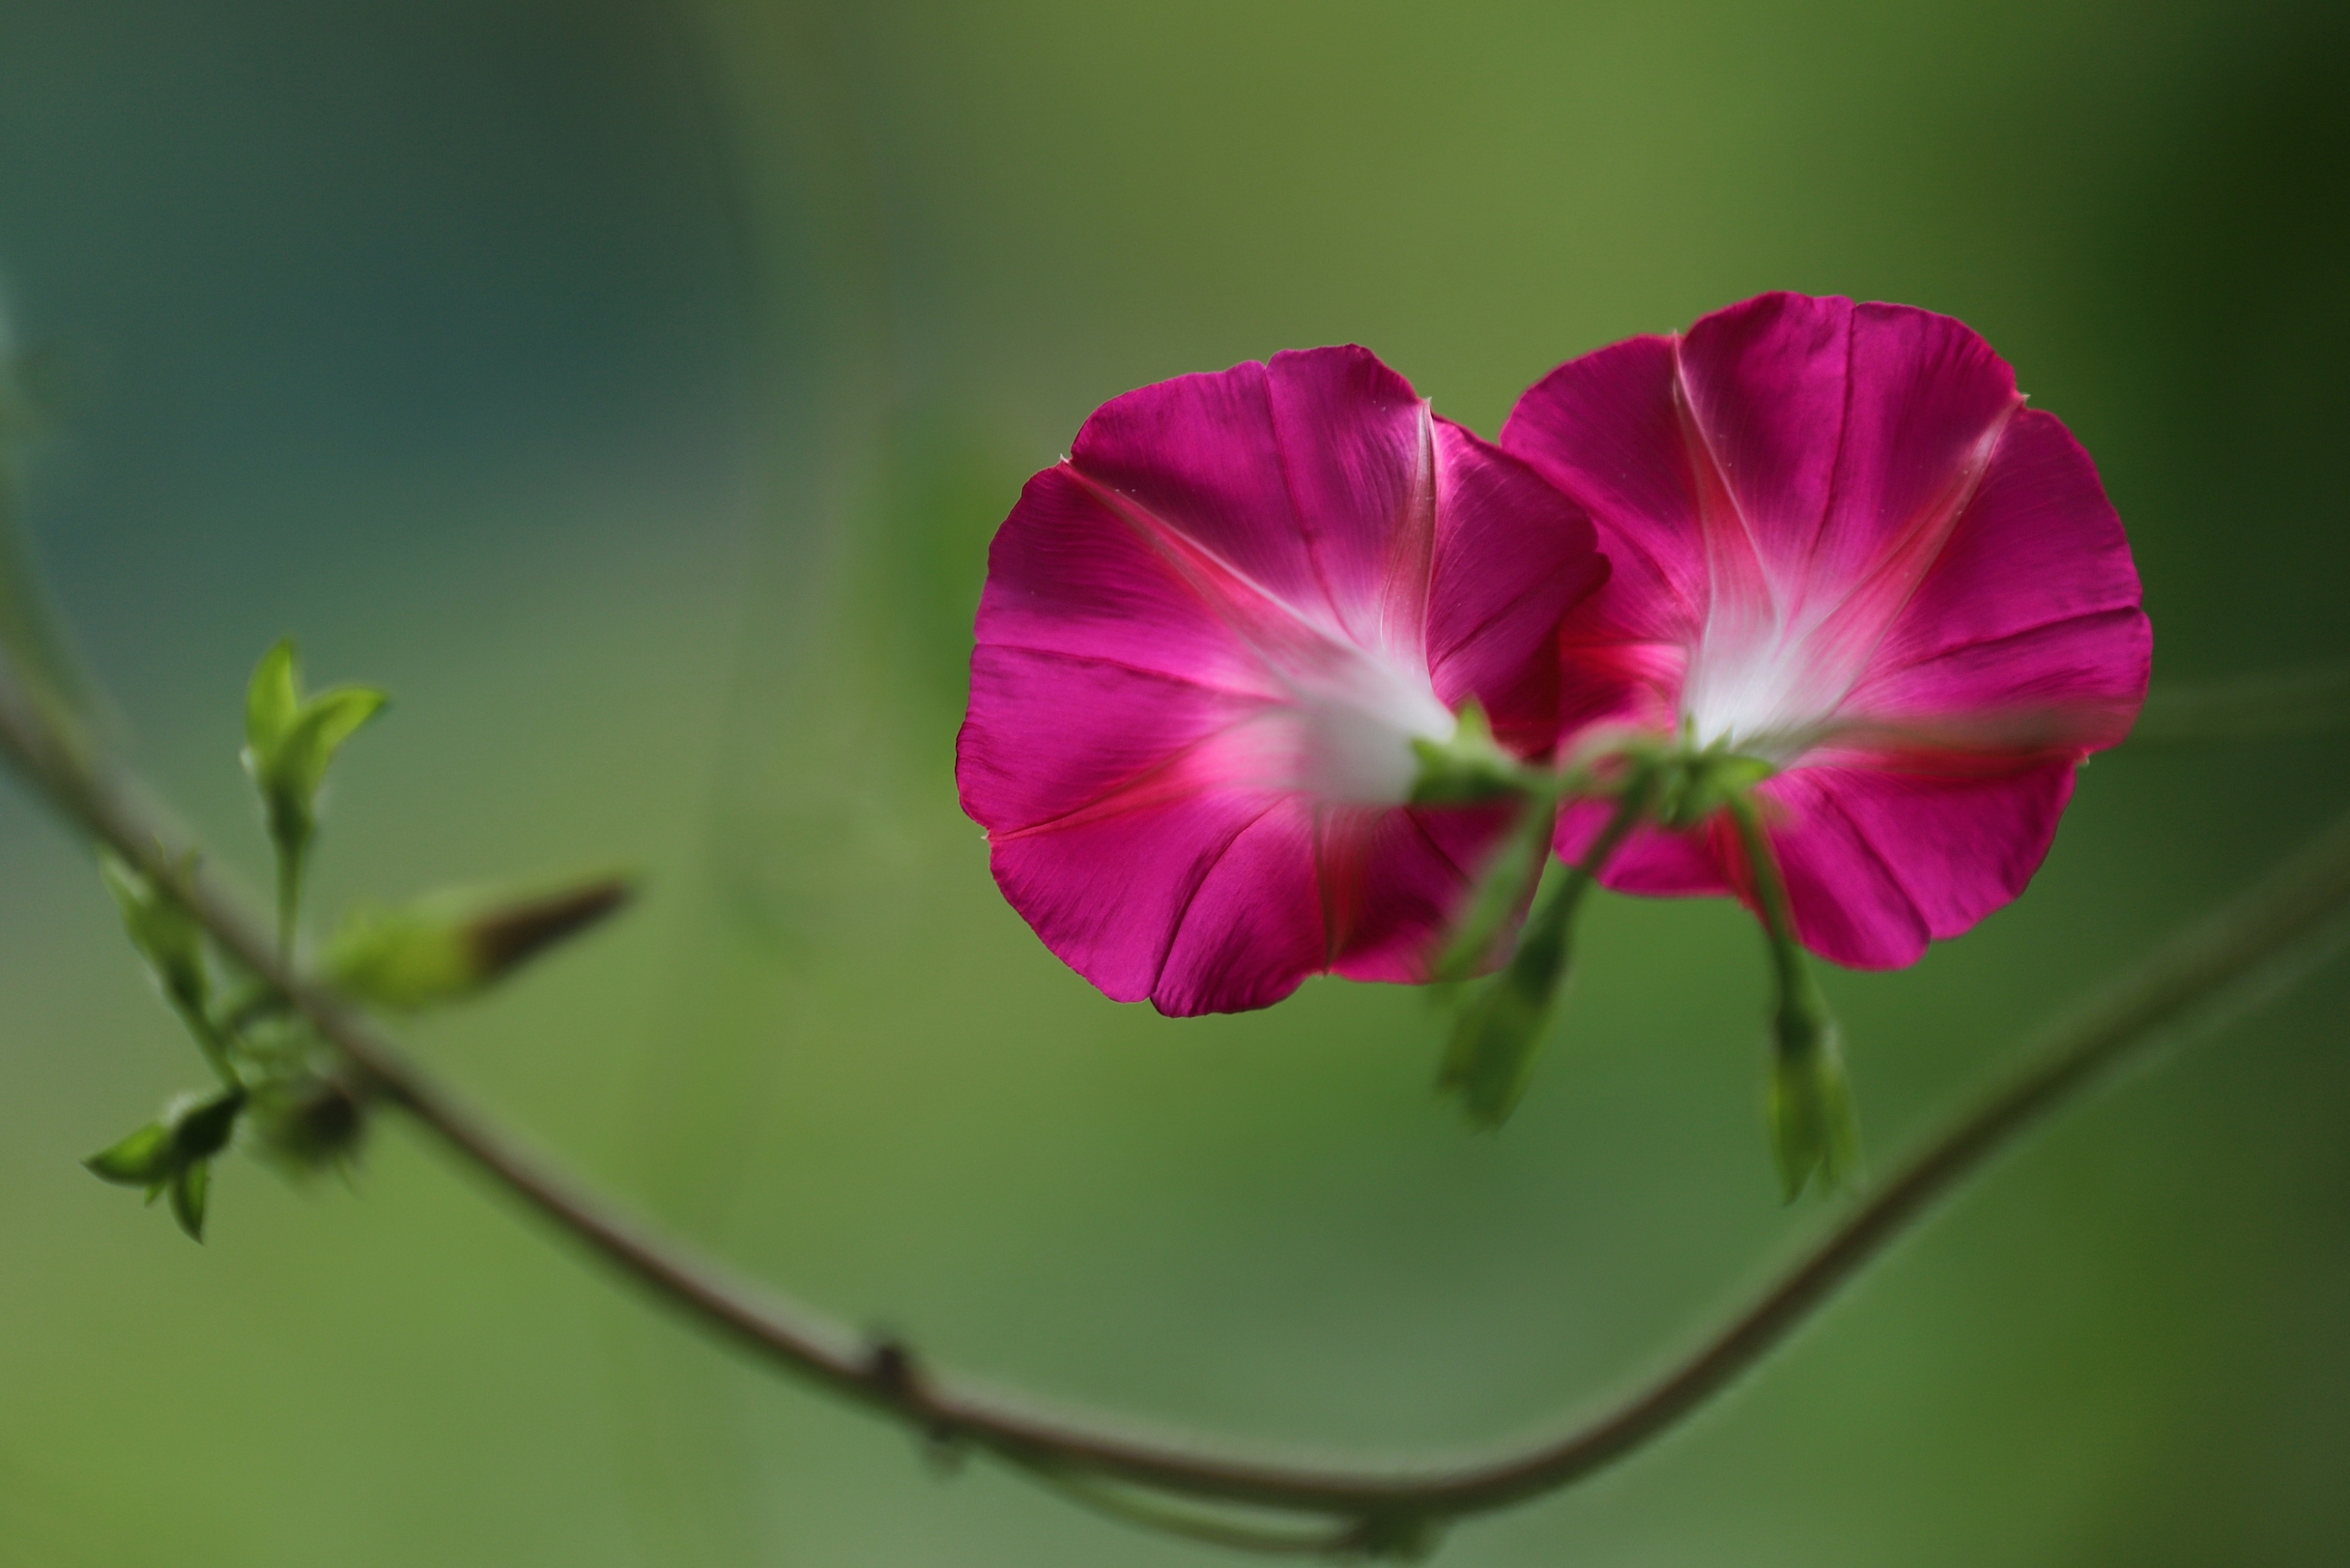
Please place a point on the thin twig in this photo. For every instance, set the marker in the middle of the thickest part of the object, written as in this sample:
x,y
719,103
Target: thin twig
x,y
2169,988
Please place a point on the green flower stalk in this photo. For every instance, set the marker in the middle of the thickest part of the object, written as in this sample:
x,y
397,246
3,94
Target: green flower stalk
x,y
1813,1129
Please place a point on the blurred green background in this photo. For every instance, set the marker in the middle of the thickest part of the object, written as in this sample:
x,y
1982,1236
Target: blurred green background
x,y
632,390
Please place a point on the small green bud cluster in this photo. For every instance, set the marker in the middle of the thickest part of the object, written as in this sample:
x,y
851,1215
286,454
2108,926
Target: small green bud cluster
x,y
175,1153
283,1089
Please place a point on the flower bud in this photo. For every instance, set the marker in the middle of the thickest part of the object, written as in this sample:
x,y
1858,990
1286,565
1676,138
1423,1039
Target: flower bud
x,y
451,946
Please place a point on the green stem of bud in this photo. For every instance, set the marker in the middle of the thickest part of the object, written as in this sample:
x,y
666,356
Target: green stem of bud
x,y
1501,892
1812,1124
1490,1055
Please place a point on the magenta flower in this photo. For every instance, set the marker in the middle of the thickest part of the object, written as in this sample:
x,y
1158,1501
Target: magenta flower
x,y
1842,546
1208,642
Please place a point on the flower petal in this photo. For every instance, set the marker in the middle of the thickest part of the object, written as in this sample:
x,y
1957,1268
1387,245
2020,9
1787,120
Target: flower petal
x,y
1850,903
1309,476
1607,430
1513,555
1358,456
1253,928
1926,402
1849,440
1051,734
1392,880
1110,892
1878,863
1204,648
1650,861
2032,605
1842,544
1069,572
1765,383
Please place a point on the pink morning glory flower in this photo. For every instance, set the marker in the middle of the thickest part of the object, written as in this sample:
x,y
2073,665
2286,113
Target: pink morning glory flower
x,y
1208,642
1844,547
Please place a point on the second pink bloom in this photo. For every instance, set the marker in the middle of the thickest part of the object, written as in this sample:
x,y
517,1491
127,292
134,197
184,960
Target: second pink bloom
x,y
1842,544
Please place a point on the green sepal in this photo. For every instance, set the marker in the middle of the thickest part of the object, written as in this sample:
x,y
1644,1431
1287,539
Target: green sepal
x,y
144,1159
189,1190
1814,1130
1468,768
163,932
1809,1106
451,946
1693,788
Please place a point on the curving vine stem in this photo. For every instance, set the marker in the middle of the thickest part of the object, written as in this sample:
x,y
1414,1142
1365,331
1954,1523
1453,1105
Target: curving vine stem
x,y
2270,934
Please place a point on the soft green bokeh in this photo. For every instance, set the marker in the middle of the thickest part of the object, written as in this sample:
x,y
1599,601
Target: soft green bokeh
x,y
632,392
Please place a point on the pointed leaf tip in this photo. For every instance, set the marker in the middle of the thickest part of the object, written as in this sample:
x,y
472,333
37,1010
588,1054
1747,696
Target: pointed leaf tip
x,y
318,732
140,1160
270,701
188,1192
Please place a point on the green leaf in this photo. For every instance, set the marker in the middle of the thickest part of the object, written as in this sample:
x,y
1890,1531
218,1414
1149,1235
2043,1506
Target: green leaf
x,y
165,933
290,743
140,1160
175,1155
189,1190
319,729
270,703
453,944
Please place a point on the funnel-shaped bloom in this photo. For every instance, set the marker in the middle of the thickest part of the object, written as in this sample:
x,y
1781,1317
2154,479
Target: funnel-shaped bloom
x,y
1841,545
1208,641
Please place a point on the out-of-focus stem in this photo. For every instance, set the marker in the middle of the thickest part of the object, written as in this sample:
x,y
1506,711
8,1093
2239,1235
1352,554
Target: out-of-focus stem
x,y
1373,1511
1812,1126
2231,710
